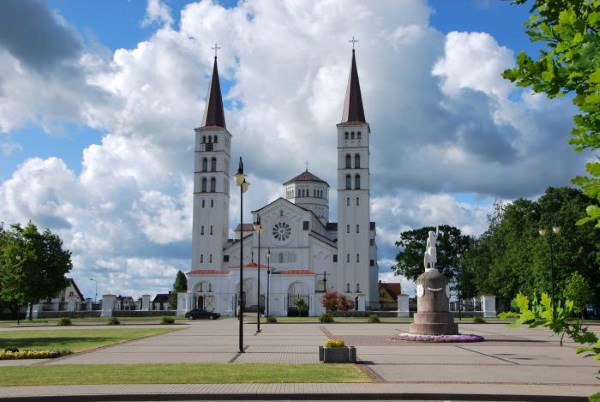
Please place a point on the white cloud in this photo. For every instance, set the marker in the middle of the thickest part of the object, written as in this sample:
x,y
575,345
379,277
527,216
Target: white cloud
x,y
443,122
157,12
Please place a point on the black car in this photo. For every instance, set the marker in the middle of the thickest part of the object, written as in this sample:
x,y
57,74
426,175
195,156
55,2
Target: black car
x,y
201,313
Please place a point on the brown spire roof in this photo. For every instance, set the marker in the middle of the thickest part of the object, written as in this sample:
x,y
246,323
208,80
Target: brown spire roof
x,y
353,106
213,114
305,176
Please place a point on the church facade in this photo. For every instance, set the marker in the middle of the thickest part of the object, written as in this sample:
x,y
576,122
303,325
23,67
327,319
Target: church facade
x,y
298,254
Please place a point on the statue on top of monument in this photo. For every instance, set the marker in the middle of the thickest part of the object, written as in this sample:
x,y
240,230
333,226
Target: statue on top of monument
x,y
430,251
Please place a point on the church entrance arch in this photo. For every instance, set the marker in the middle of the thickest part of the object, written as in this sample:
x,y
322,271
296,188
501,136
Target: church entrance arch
x,y
204,296
298,300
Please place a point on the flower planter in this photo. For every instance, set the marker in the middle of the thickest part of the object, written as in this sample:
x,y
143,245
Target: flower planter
x,y
344,354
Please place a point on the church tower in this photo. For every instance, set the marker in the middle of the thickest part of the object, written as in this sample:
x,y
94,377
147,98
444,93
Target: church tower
x,y
211,182
354,260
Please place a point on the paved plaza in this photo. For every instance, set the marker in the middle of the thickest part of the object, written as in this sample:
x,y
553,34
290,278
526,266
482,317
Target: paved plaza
x,y
512,364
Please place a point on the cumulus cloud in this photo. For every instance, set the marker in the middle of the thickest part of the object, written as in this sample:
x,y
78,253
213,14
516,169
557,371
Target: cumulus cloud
x,y
444,124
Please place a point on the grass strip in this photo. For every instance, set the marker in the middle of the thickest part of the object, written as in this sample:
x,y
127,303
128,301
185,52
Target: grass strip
x,y
75,340
96,374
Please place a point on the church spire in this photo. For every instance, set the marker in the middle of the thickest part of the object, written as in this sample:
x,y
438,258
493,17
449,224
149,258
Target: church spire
x,y
353,106
213,114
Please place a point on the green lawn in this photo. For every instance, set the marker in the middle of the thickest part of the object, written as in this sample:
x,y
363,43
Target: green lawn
x,y
181,374
75,339
87,321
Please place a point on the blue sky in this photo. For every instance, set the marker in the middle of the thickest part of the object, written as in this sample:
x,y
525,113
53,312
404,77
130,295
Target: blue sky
x,y
96,139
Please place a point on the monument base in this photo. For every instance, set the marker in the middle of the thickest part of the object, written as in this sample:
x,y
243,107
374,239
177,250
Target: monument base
x,y
433,317
431,323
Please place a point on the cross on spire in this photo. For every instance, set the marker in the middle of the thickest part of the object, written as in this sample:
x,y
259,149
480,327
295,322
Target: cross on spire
x,y
353,41
217,47
306,163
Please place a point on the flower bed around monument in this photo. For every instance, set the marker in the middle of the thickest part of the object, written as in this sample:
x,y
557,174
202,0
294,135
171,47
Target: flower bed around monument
x,y
437,338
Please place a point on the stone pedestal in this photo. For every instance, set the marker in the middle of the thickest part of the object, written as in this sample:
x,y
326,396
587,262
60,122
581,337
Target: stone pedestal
x,y
108,305
432,316
146,302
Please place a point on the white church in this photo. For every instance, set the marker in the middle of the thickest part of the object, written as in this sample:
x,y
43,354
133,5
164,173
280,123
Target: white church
x,y
302,254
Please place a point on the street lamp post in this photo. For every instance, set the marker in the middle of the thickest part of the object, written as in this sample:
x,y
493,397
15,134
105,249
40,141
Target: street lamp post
x,y
258,229
543,231
240,181
96,294
268,278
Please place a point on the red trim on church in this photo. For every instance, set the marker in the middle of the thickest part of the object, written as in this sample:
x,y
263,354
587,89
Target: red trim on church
x,y
207,272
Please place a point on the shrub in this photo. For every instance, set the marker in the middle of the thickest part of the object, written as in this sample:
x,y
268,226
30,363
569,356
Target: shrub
x,y
113,321
334,343
33,354
12,349
334,301
478,320
271,320
373,318
64,321
326,317
167,320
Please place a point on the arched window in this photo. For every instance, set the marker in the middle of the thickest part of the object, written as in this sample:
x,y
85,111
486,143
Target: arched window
x,y
215,139
357,229
210,258
209,139
201,258
203,139
203,185
348,288
352,135
346,135
213,165
202,203
212,203
358,135
347,201
347,228
213,185
357,287
357,257
347,257
201,230
348,161
348,182
357,161
204,164
357,201
211,231
357,182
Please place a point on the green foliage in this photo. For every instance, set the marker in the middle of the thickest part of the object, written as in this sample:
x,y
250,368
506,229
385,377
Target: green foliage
x,y
569,64
541,313
512,257
271,320
412,245
167,320
63,321
113,321
326,318
579,291
33,265
373,318
300,306
478,320
179,286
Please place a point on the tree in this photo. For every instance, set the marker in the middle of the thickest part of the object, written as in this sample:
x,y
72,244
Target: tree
x,y
450,243
579,292
511,256
33,265
569,64
180,285
333,301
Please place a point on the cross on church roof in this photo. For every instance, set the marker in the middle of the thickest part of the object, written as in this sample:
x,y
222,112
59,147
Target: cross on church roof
x,y
353,41
217,47
306,165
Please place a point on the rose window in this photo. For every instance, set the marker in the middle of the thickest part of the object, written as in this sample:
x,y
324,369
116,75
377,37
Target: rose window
x,y
282,231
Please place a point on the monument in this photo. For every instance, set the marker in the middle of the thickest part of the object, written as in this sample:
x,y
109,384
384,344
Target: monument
x,y
432,316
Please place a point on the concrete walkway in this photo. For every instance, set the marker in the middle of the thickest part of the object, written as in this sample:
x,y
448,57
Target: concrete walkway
x,y
512,364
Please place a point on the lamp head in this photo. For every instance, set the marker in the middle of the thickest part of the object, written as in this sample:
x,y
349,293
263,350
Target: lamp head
x,y
542,231
244,185
239,175
257,226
